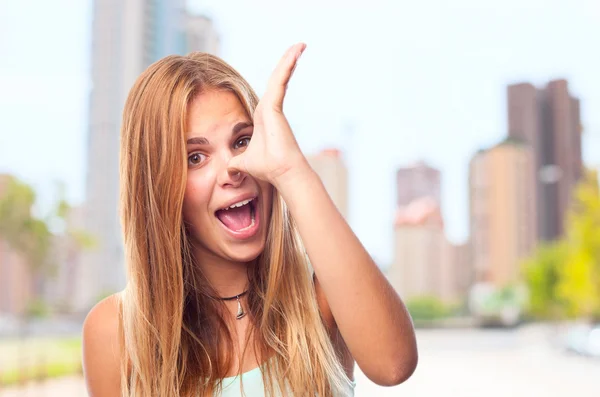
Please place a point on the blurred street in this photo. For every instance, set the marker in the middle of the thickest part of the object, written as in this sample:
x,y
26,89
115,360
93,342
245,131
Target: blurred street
x,y
493,363
457,362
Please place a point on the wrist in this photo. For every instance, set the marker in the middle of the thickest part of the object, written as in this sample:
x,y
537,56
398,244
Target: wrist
x,y
295,176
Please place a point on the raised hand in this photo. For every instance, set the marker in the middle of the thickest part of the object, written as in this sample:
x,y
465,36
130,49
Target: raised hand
x,y
273,151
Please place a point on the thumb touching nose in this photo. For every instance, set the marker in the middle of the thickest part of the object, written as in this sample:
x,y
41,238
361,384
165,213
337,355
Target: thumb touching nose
x,y
237,163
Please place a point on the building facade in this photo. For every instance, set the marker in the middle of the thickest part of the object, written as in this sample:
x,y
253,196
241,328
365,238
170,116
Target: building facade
x,y
548,120
502,212
419,243
329,165
416,181
127,36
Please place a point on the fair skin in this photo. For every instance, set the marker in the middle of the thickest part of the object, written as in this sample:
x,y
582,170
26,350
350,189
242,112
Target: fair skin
x,y
218,130
367,320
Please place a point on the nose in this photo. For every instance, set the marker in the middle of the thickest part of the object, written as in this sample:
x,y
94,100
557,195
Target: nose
x,y
229,177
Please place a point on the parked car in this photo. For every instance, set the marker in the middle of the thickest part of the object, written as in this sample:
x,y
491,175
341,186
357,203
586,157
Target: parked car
x,y
492,306
584,339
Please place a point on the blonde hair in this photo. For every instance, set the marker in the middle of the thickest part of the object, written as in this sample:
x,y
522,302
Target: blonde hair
x,y
173,335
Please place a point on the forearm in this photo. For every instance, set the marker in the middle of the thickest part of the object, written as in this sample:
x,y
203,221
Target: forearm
x,y
368,312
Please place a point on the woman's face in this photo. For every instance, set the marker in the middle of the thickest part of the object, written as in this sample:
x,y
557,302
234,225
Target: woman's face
x,y
228,214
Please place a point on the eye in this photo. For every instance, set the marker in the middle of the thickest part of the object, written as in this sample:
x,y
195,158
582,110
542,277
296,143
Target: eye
x,y
196,159
242,142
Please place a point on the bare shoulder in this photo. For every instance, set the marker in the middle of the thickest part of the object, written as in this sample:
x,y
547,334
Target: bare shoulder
x,y
102,348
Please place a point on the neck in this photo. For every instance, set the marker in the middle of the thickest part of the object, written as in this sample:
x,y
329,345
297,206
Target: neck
x,y
228,278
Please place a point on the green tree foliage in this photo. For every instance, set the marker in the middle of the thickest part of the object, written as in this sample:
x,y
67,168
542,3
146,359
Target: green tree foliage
x,y
542,273
32,236
579,277
426,308
563,277
25,233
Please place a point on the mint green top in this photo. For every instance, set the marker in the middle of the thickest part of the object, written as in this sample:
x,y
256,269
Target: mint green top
x,y
254,387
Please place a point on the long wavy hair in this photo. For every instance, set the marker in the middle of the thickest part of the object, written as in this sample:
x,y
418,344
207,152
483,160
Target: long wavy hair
x,y
175,342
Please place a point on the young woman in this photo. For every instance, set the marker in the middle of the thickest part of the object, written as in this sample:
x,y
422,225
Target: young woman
x,y
221,215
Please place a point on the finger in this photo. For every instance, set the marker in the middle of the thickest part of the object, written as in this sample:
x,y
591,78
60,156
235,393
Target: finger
x,y
281,76
237,164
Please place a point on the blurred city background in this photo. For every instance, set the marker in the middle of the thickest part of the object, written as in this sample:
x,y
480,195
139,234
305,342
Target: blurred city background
x,y
459,139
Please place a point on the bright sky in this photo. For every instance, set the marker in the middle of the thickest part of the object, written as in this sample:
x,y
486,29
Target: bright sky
x,y
415,80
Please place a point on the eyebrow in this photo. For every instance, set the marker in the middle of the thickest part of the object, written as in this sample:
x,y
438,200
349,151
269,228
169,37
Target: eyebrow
x,y
200,140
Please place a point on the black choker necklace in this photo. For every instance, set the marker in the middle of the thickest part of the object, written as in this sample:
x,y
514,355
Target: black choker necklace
x,y
233,297
240,312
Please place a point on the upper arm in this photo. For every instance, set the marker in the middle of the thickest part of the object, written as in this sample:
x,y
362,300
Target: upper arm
x,y
325,311
102,349
337,340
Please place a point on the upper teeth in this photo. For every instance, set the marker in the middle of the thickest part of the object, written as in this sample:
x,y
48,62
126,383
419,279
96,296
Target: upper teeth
x,y
244,202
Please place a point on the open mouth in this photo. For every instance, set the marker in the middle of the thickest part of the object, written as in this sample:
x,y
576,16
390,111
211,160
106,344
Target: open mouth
x,y
240,216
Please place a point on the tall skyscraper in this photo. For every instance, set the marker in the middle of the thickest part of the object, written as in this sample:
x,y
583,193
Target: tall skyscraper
x,y
425,262
419,180
329,165
502,211
418,249
548,120
456,272
127,36
201,34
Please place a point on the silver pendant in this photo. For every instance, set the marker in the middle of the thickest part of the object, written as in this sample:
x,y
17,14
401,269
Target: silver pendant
x,y
240,312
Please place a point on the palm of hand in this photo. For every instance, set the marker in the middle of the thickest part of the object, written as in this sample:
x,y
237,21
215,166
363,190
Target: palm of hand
x,y
273,149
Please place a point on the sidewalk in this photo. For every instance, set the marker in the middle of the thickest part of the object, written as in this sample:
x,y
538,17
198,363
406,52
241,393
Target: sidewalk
x,y
69,386
457,362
